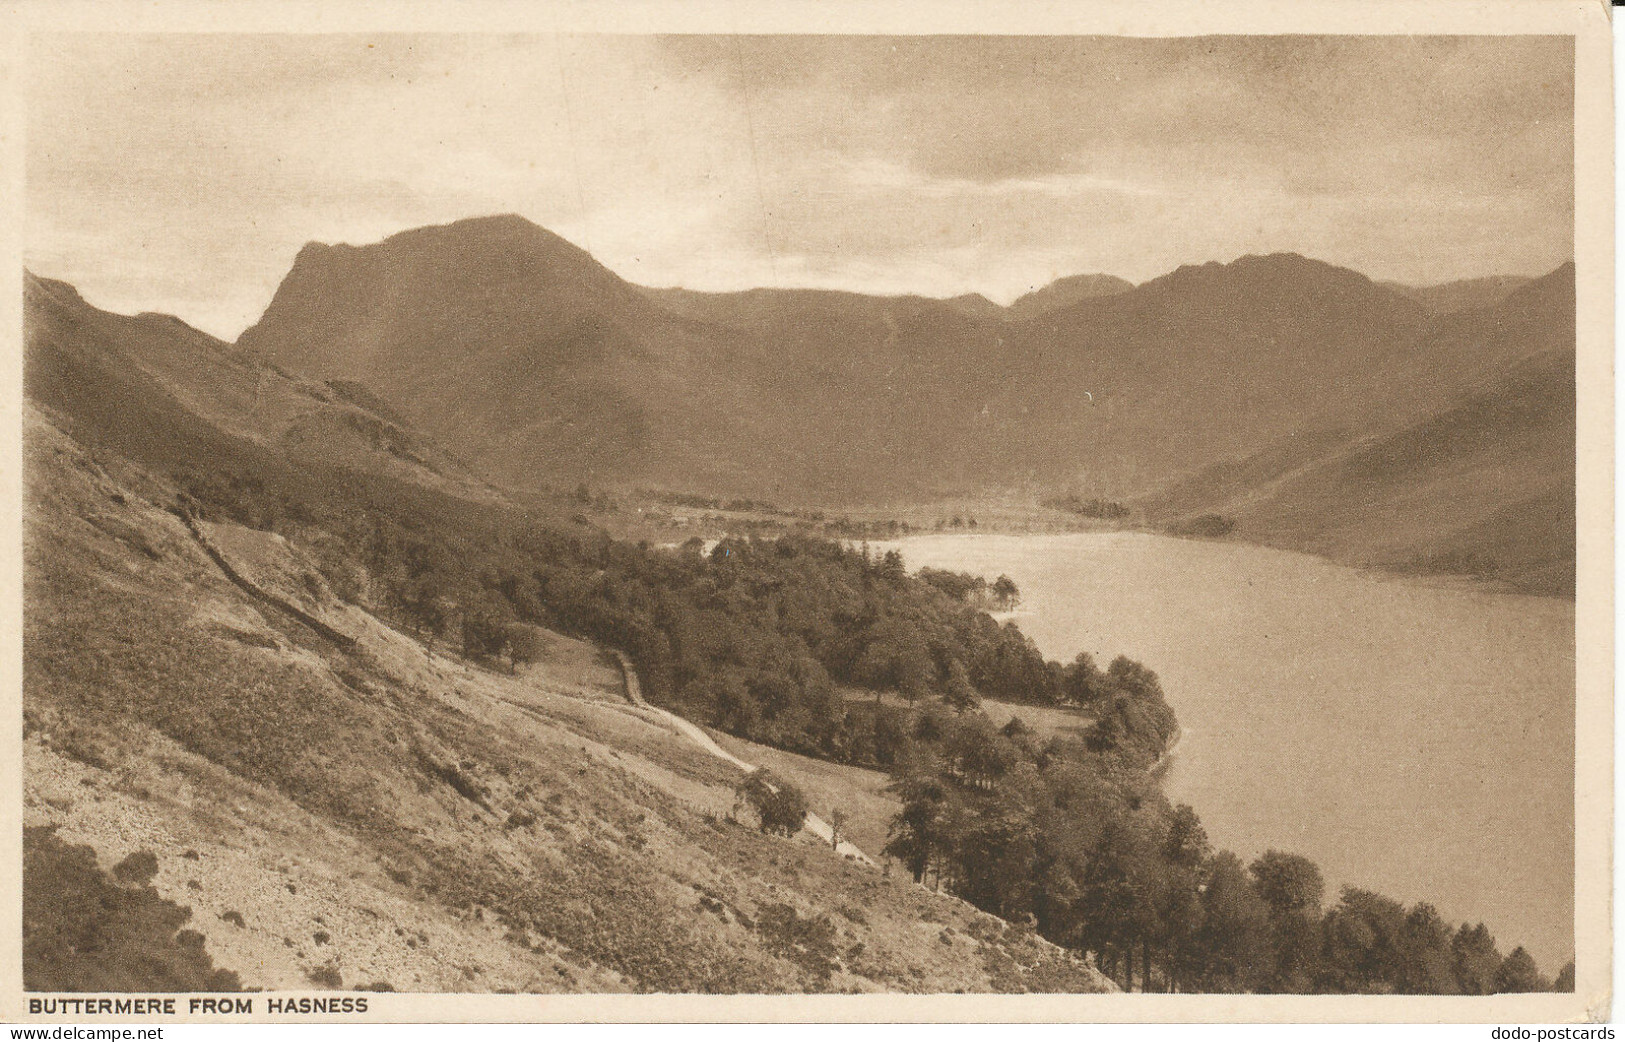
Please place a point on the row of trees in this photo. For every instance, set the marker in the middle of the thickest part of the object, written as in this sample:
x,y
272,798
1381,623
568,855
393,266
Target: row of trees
x,y
1076,838
1097,508
1000,595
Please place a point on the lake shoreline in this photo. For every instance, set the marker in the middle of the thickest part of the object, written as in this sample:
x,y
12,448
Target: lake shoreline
x,y
1441,580
1412,736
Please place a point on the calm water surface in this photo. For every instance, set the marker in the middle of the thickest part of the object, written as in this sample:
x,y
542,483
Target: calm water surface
x,y
1415,738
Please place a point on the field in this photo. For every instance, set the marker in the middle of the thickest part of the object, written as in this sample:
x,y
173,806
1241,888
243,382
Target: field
x,y
1048,721
860,793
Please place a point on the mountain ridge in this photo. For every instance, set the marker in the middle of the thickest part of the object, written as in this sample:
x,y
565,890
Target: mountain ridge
x,y
539,367
809,393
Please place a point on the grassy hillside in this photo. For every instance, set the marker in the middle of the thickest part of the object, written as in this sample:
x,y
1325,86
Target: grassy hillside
x,y
1484,487
373,815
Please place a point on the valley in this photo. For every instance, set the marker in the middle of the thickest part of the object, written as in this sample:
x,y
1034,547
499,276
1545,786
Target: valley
x,y
437,622
1309,405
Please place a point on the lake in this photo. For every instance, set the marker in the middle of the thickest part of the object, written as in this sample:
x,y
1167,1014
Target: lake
x,y
1413,737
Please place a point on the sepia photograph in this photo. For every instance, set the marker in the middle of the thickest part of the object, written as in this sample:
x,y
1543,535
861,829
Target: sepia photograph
x,y
671,512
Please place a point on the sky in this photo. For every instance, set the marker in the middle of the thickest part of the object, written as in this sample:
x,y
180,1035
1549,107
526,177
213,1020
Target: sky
x,y
182,173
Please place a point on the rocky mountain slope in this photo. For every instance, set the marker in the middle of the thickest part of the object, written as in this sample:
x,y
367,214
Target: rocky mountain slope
x,y
339,807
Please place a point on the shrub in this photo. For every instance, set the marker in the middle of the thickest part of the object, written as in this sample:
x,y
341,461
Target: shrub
x,y
326,976
137,869
807,941
1206,526
780,806
83,933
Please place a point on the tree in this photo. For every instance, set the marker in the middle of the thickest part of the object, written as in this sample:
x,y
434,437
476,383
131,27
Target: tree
x,y
1427,965
1005,593
418,599
780,807
1477,960
1291,885
1133,679
1082,682
1233,943
733,707
1518,974
525,644
1364,943
1185,854
1565,978
917,831
838,817
959,692
977,754
485,628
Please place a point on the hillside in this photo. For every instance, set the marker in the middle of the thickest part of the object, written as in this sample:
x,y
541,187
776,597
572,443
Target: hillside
x,y
279,789
495,325
1065,292
155,388
1483,487
1464,294
304,723
358,813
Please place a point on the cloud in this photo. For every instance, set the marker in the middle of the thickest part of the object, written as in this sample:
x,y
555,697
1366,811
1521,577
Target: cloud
x,y
183,173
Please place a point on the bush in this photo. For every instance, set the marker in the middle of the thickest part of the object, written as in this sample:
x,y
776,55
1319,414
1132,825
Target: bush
x,y
807,941
326,976
137,869
81,932
780,806
1206,526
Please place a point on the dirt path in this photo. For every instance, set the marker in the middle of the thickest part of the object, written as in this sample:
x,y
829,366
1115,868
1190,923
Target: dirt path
x,y
634,694
814,824
633,690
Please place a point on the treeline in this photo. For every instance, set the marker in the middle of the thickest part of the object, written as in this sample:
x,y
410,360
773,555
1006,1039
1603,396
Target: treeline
x,y
1077,840
699,502
1097,508
1000,595
759,637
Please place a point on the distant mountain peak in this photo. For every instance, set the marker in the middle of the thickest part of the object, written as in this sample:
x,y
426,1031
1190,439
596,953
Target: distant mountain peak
x,y
53,288
1066,291
1282,272
507,235
505,225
